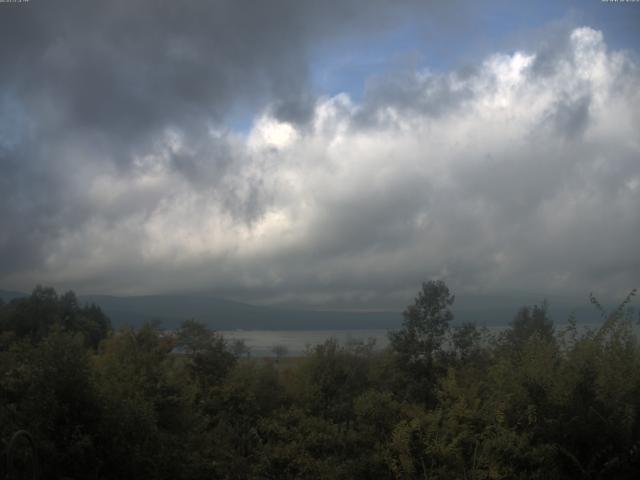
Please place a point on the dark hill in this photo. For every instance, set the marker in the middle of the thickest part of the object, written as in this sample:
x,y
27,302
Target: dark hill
x,y
221,314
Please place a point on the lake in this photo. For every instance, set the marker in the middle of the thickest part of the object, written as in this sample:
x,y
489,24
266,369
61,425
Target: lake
x,y
261,342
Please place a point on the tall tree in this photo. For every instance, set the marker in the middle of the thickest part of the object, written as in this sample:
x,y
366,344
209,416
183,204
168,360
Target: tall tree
x,y
418,344
530,321
210,358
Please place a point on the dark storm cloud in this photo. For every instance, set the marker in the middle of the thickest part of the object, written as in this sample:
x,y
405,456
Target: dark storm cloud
x,y
98,83
296,109
125,67
27,207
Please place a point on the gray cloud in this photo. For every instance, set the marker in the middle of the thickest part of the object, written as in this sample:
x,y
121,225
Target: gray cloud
x,y
124,68
412,92
92,86
121,175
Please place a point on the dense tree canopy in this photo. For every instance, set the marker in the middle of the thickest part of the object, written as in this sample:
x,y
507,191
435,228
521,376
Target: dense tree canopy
x,y
443,401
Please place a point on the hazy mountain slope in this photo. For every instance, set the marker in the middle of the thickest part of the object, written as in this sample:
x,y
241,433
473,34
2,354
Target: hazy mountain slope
x,y
223,314
8,295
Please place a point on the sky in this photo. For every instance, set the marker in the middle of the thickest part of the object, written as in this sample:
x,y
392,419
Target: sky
x,y
325,154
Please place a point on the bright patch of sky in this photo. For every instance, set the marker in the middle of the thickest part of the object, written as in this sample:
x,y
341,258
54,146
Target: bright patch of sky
x,y
484,28
453,40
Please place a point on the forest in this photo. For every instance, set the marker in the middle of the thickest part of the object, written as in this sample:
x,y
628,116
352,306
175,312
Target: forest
x,y
442,401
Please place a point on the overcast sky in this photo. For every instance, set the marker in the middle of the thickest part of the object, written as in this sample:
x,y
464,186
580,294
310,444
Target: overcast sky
x,y
326,153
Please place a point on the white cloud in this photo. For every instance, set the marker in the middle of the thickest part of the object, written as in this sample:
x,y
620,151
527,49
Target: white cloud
x,y
517,180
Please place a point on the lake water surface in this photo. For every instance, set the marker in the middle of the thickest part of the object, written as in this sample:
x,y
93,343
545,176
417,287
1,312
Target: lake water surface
x,y
261,342
296,342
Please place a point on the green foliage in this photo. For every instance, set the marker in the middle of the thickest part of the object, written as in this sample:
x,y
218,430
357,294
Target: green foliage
x,y
418,345
331,377
47,390
209,356
425,323
529,322
34,317
441,402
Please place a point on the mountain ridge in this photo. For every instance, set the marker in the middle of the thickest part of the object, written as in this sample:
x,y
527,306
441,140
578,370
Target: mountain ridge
x,y
170,310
